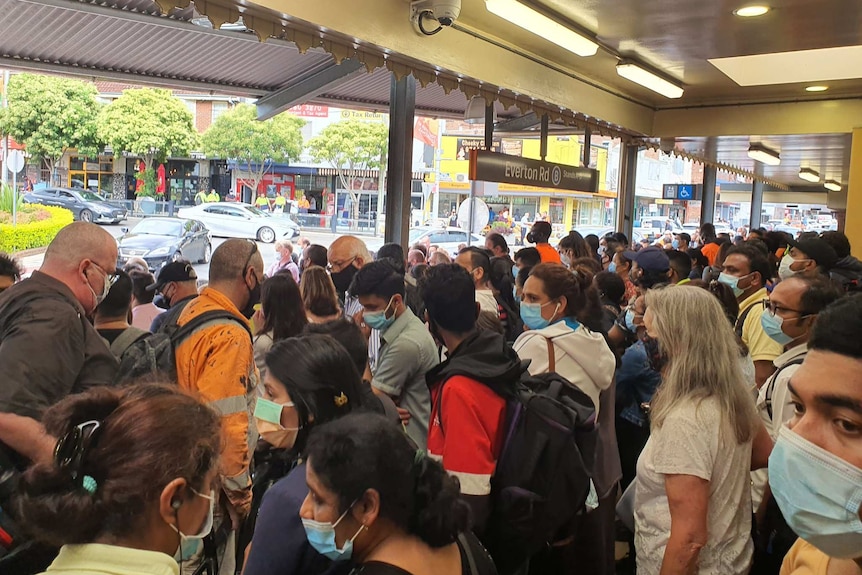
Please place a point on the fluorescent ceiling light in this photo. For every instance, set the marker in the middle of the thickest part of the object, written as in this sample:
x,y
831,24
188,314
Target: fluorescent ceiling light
x,y
809,175
647,79
802,66
765,155
816,88
541,25
751,11
832,186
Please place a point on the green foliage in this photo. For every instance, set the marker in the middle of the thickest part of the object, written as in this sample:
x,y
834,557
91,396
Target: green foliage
x,y
49,115
6,199
43,225
238,135
149,123
148,190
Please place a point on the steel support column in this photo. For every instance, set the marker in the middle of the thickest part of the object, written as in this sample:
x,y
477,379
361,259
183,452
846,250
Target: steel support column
x,y
707,210
756,204
543,141
585,153
626,194
402,106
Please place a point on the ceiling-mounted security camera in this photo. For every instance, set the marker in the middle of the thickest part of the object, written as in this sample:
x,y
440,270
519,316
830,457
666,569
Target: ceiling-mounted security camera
x,y
444,12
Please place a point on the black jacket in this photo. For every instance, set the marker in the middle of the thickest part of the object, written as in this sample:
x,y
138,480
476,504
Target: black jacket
x,y
486,357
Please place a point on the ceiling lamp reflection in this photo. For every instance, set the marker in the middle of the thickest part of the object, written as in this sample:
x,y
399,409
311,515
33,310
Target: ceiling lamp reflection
x,y
751,11
541,25
832,186
764,155
816,88
809,175
640,75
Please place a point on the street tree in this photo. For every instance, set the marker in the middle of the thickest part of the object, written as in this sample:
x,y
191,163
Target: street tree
x,y
149,123
51,115
351,147
238,135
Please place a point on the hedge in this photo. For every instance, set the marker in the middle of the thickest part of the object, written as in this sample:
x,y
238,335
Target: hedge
x,y
34,234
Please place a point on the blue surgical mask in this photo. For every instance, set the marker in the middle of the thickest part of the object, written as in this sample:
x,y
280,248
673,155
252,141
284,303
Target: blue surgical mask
x,y
612,267
515,270
190,545
377,319
531,314
772,327
732,282
675,244
321,536
630,320
818,493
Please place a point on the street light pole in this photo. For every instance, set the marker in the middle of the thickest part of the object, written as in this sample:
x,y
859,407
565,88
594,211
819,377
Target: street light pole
x,y
6,137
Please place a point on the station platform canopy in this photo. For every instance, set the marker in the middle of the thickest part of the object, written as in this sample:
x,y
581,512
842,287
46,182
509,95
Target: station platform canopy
x,y
743,80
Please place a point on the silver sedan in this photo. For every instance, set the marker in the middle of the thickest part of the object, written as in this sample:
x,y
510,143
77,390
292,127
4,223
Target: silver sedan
x,y
237,220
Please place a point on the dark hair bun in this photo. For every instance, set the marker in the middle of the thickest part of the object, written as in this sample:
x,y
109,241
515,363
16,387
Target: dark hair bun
x,y
439,513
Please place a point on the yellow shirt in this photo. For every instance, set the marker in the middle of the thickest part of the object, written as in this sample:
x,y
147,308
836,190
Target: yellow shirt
x,y
804,559
261,201
760,346
213,197
280,201
111,560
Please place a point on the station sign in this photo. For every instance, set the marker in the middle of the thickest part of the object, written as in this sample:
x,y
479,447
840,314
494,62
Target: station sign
x,y
684,192
492,167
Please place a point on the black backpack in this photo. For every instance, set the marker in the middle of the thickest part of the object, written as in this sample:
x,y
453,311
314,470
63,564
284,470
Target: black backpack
x,y
155,353
544,471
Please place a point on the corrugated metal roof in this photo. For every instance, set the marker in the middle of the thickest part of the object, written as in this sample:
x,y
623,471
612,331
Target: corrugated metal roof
x,y
154,47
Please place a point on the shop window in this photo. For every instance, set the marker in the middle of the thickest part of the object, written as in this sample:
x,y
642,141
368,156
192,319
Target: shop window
x,y
219,108
91,173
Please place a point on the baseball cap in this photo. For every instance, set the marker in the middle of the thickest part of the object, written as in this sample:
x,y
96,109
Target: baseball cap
x,y
683,236
818,250
174,272
651,259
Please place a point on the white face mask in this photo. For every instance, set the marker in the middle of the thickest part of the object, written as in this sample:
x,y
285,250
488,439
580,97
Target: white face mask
x,y
191,544
784,270
99,298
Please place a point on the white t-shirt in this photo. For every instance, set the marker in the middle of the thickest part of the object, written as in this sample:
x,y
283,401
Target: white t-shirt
x,y
487,302
693,440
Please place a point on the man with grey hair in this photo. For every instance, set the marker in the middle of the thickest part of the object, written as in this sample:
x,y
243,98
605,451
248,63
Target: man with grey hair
x,y
48,347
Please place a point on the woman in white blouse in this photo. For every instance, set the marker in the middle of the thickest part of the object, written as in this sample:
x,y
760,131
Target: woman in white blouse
x,y
693,499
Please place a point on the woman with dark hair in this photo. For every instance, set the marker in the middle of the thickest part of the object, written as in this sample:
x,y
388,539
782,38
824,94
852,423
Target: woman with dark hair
x,y
698,263
319,296
593,241
309,381
131,487
622,266
281,312
573,247
374,499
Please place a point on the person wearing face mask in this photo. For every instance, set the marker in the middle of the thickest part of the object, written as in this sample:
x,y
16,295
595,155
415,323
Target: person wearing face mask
x,y
375,500
622,266
176,286
681,242
129,489
790,313
347,255
573,247
746,270
217,361
310,381
808,258
815,470
407,350
45,336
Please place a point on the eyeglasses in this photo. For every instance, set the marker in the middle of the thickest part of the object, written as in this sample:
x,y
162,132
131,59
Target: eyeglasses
x,y
775,308
112,276
340,265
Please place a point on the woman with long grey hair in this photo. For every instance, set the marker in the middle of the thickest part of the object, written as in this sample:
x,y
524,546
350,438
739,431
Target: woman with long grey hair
x,y
693,498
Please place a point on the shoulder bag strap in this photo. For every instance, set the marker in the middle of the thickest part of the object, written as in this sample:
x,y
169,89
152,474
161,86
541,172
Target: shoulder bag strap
x,y
471,561
126,339
771,385
740,323
552,357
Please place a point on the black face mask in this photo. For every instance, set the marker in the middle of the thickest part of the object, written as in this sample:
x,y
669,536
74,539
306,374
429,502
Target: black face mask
x,y
160,301
253,299
343,279
657,360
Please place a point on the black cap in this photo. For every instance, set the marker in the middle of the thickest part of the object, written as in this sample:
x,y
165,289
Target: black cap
x,y
683,236
651,259
818,250
174,272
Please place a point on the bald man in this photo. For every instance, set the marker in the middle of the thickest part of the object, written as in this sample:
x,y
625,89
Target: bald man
x,y
216,362
48,347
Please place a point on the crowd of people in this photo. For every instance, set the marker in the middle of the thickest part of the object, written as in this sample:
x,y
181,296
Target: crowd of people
x,y
350,412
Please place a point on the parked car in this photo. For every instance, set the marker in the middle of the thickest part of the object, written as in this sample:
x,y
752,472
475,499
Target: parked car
x,y
84,205
163,240
446,238
238,220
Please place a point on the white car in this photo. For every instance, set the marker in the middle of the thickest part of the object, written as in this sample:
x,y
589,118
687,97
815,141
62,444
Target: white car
x,y
446,238
237,220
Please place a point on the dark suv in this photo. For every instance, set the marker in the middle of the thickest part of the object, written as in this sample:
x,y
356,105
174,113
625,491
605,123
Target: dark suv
x,y
84,204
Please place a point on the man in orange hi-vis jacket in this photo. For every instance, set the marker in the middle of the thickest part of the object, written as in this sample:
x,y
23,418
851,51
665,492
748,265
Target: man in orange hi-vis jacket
x,y
217,362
